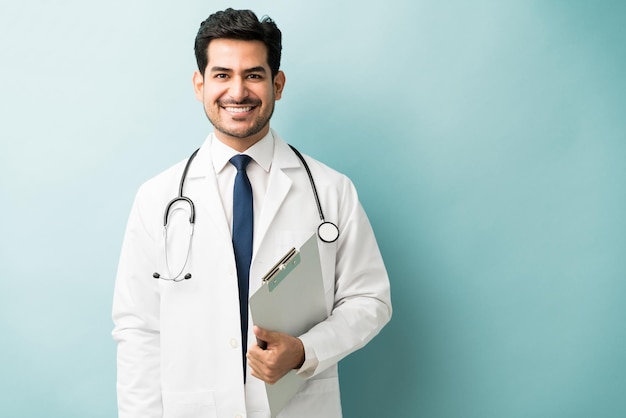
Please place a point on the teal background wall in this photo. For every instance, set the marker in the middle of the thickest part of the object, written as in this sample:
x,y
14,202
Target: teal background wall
x,y
486,138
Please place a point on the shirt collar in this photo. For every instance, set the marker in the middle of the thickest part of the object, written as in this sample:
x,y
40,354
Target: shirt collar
x,y
262,152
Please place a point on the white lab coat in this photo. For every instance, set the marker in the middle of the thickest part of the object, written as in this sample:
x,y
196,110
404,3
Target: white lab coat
x,y
179,349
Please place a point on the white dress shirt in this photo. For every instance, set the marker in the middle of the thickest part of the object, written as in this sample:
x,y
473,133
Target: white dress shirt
x,y
258,172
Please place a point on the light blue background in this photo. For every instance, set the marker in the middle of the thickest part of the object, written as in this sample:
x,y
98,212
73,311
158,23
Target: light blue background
x,y
486,138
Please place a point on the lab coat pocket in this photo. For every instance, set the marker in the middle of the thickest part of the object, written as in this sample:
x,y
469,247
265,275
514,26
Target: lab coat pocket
x,y
199,404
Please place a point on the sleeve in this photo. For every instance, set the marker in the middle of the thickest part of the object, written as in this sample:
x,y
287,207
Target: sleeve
x,y
362,301
136,323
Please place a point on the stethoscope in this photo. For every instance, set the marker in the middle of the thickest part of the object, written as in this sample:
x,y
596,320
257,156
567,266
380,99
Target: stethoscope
x,y
326,231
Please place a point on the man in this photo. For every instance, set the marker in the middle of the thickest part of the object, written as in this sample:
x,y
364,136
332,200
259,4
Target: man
x,y
181,343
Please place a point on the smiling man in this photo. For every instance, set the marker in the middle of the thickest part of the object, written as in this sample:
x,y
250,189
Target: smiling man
x,y
187,346
238,90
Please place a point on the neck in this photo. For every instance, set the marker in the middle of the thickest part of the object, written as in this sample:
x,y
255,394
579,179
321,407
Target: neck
x,y
241,144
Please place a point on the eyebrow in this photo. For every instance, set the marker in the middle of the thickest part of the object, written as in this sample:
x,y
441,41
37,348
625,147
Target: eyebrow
x,y
258,69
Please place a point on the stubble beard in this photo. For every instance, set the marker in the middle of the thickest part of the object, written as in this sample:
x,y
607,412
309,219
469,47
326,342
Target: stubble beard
x,y
258,125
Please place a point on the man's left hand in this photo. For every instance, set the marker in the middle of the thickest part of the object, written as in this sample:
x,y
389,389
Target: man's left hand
x,y
282,354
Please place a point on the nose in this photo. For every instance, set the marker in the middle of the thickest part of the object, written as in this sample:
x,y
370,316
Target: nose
x,y
237,89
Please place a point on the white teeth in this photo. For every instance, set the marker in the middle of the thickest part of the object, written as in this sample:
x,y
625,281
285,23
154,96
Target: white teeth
x,y
238,109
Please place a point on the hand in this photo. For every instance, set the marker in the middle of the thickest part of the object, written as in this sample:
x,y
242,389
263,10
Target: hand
x,y
283,353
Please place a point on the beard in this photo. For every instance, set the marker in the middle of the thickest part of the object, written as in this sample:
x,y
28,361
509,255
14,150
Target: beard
x,y
259,123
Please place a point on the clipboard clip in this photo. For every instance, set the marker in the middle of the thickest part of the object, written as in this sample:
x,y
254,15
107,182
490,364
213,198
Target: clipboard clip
x,y
281,269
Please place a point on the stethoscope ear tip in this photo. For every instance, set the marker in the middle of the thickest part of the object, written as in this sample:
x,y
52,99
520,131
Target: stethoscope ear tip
x,y
175,279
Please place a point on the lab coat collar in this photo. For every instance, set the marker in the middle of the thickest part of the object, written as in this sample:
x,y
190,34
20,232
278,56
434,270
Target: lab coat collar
x,y
262,153
283,157
278,187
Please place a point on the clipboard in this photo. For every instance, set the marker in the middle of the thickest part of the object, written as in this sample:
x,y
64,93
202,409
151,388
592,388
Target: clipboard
x,y
290,300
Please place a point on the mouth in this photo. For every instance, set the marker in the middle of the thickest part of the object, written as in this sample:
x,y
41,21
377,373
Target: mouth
x,y
238,110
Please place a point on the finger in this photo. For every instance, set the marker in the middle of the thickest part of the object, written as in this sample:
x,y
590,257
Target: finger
x,y
261,333
260,370
261,336
254,363
254,352
261,344
264,373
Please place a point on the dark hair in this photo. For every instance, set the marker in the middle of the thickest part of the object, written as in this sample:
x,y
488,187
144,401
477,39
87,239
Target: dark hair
x,y
240,25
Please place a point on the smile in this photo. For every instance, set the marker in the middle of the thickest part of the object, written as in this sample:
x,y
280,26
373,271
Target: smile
x,y
238,109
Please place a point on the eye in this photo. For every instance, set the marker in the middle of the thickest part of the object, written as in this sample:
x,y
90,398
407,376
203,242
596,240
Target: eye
x,y
255,76
221,75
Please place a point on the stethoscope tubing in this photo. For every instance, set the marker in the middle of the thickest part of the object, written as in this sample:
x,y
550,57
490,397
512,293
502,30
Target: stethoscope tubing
x,y
313,187
327,231
192,213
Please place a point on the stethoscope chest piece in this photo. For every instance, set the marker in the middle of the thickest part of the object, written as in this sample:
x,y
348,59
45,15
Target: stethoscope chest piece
x,y
328,232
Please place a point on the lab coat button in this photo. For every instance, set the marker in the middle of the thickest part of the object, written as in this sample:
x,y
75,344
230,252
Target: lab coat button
x,y
234,344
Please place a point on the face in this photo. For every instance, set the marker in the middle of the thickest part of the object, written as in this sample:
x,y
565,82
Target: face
x,y
237,91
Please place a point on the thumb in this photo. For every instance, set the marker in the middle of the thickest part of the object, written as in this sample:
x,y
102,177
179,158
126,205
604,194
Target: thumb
x,y
263,334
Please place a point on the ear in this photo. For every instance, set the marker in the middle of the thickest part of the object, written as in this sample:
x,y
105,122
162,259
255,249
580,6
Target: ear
x,y
279,85
198,84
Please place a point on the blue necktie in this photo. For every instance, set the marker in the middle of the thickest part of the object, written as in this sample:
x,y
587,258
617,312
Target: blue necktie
x,y
243,218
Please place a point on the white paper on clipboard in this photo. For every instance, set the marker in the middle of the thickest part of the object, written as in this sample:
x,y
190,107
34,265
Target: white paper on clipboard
x,y
291,300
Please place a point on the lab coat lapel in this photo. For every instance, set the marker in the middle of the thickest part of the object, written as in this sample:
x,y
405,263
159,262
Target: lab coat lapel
x,y
277,188
203,189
